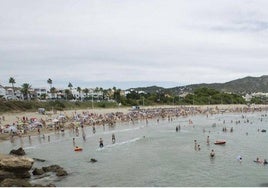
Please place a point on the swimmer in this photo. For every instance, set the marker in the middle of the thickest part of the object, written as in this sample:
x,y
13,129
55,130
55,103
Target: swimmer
x,y
212,154
239,158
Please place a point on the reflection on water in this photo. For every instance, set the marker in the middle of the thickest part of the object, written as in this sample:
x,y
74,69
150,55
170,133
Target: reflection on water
x,y
153,154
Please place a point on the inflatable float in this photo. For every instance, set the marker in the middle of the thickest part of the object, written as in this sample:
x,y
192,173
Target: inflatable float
x,y
220,142
78,149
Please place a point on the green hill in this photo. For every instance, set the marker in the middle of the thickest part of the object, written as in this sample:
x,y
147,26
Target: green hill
x,y
239,86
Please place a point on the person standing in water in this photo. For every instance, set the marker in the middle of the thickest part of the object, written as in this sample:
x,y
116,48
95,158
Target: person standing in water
x,y
73,141
113,138
207,140
212,154
195,145
101,143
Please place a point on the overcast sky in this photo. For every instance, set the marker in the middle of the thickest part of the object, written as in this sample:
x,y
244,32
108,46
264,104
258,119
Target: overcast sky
x,y
126,44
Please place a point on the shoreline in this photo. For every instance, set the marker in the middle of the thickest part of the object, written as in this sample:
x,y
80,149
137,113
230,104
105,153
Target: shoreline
x,y
13,117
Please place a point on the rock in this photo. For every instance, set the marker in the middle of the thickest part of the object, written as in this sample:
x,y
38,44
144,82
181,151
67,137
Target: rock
x,y
5,174
22,174
93,160
39,160
51,168
48,185
15,183
61,172
19,152
38,171
16,164
55,168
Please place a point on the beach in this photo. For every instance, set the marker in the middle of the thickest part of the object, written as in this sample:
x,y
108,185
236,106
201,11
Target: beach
x,y
49,116
146,141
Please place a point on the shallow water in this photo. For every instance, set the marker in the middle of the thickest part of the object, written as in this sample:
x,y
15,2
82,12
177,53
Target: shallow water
x,y
154,154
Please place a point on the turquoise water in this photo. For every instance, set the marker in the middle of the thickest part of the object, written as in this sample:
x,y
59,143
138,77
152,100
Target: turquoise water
x,y
154,154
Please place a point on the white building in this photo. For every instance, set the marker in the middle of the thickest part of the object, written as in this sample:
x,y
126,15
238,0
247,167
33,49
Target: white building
x,y
2,91
39,92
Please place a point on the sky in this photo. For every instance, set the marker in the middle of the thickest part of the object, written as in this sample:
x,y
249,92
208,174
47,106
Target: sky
x,y
132,43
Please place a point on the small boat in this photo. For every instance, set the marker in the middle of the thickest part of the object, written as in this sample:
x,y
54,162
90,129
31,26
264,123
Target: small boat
x,y
78,149
219,142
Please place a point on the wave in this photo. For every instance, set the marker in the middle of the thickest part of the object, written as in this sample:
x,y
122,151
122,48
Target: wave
x,y
119,143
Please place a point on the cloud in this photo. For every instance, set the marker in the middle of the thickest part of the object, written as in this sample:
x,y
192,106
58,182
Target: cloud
x,y
180,42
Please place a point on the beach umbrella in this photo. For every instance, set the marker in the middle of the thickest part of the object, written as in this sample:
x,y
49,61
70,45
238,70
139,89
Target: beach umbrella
x,y
11,128
55,120
37,124
61,116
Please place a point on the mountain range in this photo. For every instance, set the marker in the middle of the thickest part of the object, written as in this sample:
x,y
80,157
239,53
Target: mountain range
x,y
240,86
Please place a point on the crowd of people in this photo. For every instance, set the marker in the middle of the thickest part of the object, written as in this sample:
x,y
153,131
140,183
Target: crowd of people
x,y
77,121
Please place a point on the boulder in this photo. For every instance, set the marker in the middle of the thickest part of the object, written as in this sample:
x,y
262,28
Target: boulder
x,y
16,164
15,183
61,172
48,185
51,168
38,171
22,174
39,160
55,168
19,152
93,160
5,174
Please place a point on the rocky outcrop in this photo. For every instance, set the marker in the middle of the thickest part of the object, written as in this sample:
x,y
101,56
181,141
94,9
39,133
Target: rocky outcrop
x,y
19,152
55,168
16,164
15,183
38,171
14,171
5,175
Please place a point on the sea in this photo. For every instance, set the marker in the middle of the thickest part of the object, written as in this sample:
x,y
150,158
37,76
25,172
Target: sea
x,y
153,154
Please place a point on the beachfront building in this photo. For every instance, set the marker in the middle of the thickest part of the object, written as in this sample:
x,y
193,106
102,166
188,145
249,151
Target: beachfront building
x,y
77,95
12,95
247,97
40,93
2,91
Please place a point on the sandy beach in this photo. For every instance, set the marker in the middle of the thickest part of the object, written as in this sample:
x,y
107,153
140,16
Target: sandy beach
x,y
13,118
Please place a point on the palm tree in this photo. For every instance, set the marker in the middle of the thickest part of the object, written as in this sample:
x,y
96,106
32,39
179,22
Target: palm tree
x,y
79,90
49,81
25,90
67,93
53,91
12,81
86,90
70,85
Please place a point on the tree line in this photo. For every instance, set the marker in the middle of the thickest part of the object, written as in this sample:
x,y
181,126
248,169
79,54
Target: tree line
x,y
200,96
